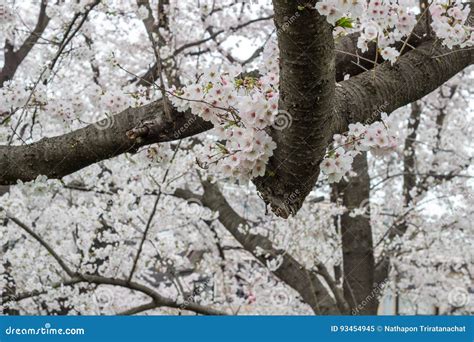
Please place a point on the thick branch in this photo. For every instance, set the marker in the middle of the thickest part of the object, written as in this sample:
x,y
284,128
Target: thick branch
x,y
110,137
386,88
157,299
307,84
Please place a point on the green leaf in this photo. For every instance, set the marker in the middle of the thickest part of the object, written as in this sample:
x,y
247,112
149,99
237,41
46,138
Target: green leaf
x,y
230,124
344,22
208,87
222,148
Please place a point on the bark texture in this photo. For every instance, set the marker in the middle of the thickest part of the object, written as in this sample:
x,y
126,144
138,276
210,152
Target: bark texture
x,y
357,242
307,84
124,132
385,88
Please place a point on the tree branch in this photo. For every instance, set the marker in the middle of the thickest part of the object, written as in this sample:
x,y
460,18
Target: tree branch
x,y
42,242
14,59
158,300
110,137
386,88
76,278
351,61
304,281
307,85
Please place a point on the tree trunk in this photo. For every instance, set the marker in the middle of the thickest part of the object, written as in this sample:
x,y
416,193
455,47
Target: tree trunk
x,y
357,244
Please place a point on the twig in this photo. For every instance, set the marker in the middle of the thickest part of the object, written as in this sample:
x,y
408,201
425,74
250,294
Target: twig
x,y
42,242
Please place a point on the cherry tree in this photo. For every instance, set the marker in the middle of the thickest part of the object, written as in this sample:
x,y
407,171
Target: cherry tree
x,y
229,157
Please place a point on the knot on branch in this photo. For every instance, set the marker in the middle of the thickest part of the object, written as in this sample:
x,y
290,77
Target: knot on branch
x,y
138,132
141,131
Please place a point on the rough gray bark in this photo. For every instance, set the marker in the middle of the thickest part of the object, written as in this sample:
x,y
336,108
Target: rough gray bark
x,y
385,88
307,85
357,242
124,132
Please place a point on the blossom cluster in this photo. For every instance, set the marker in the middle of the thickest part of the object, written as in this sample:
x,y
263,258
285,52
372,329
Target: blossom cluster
x,y
12,96
389,21
7,21
375,137
114,101
384,22
240,108
449,24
